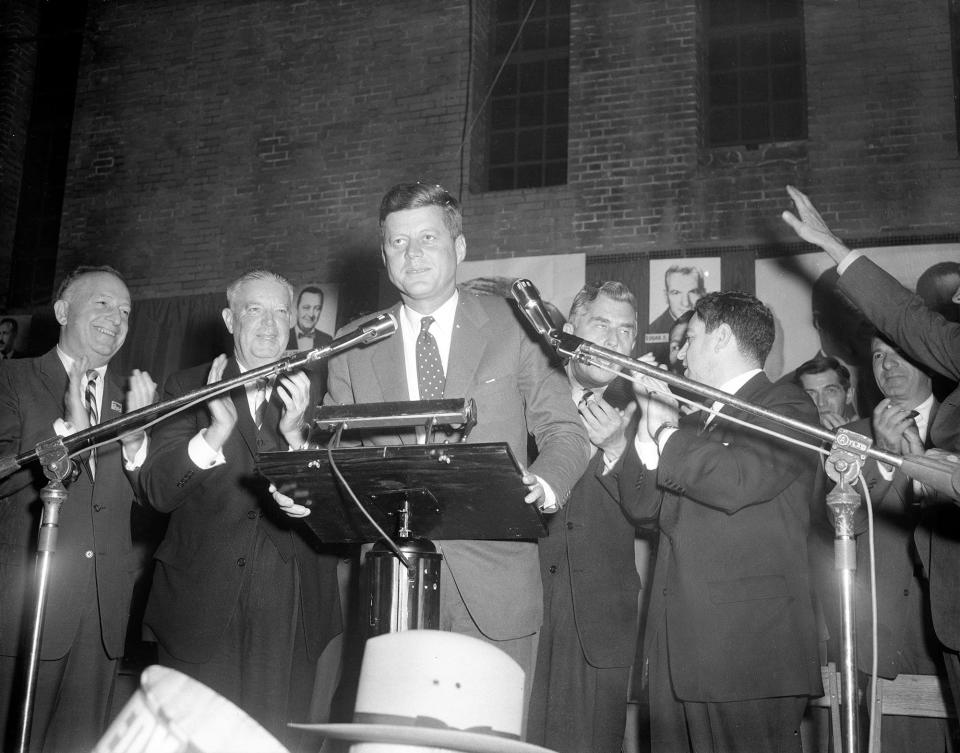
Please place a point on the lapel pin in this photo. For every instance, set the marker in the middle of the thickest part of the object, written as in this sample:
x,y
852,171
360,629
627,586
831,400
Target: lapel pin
x,y
115,406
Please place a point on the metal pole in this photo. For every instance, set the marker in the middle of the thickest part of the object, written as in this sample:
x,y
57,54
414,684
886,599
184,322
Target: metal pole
x,y
843,501
53,496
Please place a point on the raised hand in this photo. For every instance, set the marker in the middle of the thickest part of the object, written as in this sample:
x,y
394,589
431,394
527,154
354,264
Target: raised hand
x,y
811,227
141,392
223,412
294,391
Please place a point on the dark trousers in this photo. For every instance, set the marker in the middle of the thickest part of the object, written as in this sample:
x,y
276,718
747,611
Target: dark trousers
x,y
771,725
74,694
575,707
261,663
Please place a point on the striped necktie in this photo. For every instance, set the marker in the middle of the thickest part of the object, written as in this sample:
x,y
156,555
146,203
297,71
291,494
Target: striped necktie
x,y
93,414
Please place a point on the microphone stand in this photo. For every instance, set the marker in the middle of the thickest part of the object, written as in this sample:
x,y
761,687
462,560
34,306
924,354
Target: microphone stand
x,y
54,455
848,451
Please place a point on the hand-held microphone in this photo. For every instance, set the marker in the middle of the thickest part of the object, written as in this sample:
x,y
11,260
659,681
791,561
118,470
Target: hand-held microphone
x,y
528,297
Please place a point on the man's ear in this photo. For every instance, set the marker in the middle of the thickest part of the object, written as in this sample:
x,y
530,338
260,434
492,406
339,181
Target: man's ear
x,y
227,315
460,246
60,308
723,336
955,298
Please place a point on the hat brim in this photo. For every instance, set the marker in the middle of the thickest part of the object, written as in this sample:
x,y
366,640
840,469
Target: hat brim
x,y
468,742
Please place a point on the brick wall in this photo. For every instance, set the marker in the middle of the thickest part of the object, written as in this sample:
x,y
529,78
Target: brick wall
x,y
216,135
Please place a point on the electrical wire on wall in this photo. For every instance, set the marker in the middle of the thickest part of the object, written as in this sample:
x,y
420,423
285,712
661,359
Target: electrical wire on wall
x,y
468,129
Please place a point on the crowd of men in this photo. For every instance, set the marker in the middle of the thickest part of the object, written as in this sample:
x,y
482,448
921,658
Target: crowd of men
x,y
245,599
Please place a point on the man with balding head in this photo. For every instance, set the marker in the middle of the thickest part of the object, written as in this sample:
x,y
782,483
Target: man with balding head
x,y
241,599
91,580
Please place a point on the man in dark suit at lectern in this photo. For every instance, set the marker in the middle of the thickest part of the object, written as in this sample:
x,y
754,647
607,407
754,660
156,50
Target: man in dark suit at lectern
x,y
469,346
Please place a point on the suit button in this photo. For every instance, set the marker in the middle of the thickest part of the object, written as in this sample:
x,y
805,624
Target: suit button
x,y
569,526
553,568
906,592
259,442
241,562
252,514
664,592
88,554
97,508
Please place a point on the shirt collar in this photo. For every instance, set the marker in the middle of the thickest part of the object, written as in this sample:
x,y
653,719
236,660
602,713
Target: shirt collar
x,y
923,416
443,317
67,360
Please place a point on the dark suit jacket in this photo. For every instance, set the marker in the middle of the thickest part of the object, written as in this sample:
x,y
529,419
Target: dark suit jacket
x,y
931,340
94,559
214,518
731,581
898,591
497,363
593,538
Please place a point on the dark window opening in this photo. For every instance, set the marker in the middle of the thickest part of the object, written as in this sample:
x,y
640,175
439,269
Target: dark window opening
x,y
529,102
34,259
756,91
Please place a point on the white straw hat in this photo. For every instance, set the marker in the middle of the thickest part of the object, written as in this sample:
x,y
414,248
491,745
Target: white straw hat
x,y
429,689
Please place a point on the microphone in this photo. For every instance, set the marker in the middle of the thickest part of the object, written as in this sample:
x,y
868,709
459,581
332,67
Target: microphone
x,y
528,297
378,328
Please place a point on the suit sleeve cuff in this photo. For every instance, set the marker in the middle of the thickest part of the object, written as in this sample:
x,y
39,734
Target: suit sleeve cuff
x,y
847,260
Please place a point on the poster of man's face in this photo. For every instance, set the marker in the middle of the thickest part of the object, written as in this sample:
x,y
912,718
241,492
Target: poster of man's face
x,y
14,331
677,284
317,308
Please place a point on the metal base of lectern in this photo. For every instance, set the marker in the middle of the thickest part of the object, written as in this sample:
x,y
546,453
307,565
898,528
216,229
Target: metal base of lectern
x,y
401,599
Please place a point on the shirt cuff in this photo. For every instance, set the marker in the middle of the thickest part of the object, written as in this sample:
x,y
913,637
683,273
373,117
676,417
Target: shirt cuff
x,y
202,454
549,497
139,459
847,260
886,471
647,451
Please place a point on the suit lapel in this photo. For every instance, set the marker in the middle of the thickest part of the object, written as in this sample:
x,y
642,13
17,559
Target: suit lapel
x,y
245,426
467,347
385,356
53,376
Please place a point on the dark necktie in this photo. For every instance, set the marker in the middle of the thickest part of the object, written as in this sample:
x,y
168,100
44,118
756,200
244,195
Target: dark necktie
x,y
90,399
260,402
430,377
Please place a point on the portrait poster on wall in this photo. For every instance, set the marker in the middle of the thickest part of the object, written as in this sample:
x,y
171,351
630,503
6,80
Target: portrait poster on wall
x,y
15,336
306,315
675,285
